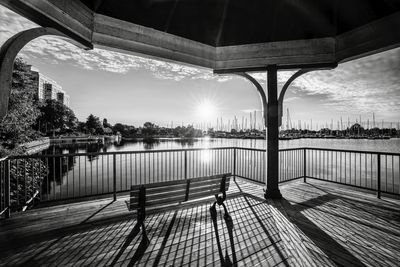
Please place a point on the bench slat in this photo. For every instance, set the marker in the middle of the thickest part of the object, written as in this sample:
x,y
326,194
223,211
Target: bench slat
x,y
159,184
169,192
160,189
183,181
202,194
214,182
215,177
165,201
162,195
204,183
181,189
210,189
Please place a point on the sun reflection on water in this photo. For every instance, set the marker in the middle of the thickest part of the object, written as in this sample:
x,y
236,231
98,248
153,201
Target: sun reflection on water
x,y
206,156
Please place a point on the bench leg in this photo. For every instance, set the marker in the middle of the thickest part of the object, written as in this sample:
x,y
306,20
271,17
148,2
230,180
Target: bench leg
x,y
145,239
213,211
145,242
227,217
225,261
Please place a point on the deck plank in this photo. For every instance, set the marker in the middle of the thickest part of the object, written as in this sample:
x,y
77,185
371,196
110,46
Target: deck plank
x,y
315,224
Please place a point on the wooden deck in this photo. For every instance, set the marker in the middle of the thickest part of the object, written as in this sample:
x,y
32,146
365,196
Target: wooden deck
x,y
315,224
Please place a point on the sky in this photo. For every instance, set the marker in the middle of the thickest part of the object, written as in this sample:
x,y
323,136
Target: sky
x,y
132,90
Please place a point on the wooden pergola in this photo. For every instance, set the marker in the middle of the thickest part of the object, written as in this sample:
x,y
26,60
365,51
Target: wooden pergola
x,y
227,36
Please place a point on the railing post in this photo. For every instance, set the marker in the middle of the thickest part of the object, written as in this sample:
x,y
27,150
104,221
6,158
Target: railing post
x,y
305,165
379,175
234,163
7,188
114,177
186,169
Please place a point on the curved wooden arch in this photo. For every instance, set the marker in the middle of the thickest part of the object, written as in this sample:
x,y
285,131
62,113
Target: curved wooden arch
x,y
291,79
8,53
284,89
261,92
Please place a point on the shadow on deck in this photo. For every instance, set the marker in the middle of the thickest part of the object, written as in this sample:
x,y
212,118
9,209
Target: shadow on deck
x,y
316,224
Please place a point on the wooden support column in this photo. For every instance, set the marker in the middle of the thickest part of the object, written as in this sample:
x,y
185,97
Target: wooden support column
x,y
272,112
272,189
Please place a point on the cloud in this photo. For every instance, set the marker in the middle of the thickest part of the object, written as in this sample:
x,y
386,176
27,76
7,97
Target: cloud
x,y
12,23
368,84
58,51
291,99
364,85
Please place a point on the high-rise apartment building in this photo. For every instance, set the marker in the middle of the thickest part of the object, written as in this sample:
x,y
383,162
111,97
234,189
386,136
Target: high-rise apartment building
x,y
47,88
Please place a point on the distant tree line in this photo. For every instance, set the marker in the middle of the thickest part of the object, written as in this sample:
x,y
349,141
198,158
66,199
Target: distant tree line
x,y
29,119
152,130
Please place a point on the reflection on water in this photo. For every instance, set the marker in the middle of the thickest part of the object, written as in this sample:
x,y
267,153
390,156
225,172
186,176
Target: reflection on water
x,y
71,175
206,156
391,145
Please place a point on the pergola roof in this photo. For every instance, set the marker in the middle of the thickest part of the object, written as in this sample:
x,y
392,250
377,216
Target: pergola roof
x,y
226,35
239,22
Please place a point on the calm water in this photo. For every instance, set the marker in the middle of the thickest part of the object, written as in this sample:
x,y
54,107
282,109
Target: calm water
x,y
74,176
390,145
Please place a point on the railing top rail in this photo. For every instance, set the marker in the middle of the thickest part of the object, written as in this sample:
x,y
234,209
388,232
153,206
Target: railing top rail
x,y
120,152
195,149
353,151
263,149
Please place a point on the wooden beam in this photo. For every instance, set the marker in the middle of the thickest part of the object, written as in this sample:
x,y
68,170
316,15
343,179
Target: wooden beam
x,y
85,27
240,70
318,66
375,37
125,36
291,53
71,18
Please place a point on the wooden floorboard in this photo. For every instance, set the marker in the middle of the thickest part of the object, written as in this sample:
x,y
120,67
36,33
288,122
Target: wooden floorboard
x,y
315,224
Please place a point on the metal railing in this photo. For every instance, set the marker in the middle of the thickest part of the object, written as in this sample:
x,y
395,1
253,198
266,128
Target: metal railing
x,y
45,178
377,171
251,164
72,176
4,188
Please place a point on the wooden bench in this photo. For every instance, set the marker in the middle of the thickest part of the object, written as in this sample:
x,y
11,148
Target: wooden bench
x,y
154,197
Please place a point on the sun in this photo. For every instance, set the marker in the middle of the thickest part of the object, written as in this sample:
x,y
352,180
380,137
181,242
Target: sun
x,y
206,109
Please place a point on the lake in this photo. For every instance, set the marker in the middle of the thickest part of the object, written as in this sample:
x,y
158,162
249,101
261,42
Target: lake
x,y
384,145
71,176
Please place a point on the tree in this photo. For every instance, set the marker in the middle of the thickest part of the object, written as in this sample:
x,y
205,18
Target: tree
x,y
149,129
124,130
17,126
107,128
106,124
81,127
94,125
119,127
56,116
